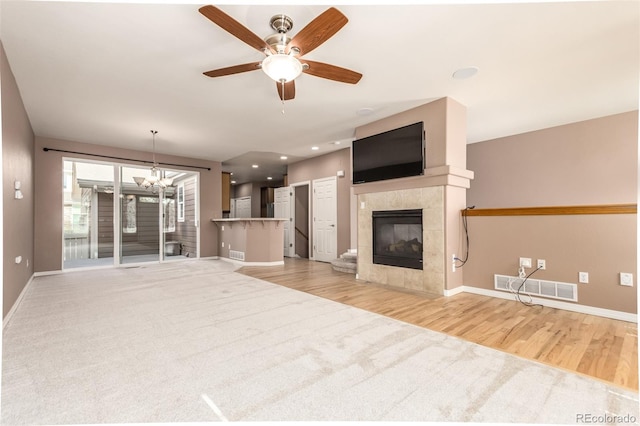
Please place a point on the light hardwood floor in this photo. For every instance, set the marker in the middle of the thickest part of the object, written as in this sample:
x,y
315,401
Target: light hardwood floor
x,y
602,348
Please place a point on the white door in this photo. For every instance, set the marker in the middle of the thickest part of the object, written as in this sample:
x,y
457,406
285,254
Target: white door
x,y
282,209
325,211
232,212
243,207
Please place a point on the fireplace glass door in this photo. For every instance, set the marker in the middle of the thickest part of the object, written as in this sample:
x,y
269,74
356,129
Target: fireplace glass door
x,y
397,238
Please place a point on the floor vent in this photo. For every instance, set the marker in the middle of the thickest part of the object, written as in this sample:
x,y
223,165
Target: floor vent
x,y
236,255
542,288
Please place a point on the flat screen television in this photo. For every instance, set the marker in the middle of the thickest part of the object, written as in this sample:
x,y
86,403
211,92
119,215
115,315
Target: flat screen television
x,y
394,154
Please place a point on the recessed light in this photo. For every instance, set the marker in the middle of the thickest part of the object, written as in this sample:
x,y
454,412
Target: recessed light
x,y
233,181
283,157
336,143
466,72
255,166
315,148
269,178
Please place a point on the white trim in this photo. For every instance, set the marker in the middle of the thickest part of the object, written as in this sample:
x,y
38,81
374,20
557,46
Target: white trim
x,y
209,258
454,291
13,309
583,309
180,205
241,263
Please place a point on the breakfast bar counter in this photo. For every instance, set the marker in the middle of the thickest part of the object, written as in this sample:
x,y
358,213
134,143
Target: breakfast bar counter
x,y
252,241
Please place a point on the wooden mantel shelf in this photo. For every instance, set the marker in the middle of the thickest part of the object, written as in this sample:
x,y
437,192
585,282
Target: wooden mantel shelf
x,y
555,210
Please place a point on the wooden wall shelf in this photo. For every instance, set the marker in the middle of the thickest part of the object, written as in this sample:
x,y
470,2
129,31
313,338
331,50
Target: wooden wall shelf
x,y
555,210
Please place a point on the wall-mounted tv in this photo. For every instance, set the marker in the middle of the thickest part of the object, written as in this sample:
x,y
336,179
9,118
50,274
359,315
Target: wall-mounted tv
x,y
394,154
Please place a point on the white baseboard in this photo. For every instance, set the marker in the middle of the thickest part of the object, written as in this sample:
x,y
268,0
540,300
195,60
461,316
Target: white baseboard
x,y
454,291
242,263
13,309
583,309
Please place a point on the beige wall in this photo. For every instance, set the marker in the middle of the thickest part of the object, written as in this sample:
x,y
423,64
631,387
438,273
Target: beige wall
x,y
586,163
589,162
48,199
17,164
326,166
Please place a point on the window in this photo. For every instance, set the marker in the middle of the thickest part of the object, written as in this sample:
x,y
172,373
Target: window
x,y
169,215
129,225
180,205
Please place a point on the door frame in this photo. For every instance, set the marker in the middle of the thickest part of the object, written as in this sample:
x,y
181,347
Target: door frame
x,y
287,250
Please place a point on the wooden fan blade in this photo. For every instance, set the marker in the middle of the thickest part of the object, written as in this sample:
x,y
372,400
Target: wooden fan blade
x,y
331,72
234,27
233,70
318,31
289,90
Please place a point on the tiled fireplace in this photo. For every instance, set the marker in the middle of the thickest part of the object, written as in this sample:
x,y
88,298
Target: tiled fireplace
x,y
439,194
430,202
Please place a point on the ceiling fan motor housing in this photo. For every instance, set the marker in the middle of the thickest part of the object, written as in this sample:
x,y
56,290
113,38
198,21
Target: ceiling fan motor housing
x,y
278,41
281,23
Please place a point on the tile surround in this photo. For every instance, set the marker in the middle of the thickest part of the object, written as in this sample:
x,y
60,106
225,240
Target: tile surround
x,y
431,200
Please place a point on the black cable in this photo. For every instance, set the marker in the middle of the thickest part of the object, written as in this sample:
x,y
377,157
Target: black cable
x,y
466,235
529,304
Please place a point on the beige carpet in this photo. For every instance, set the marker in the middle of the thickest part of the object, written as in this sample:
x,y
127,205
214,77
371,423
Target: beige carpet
x,y
194,341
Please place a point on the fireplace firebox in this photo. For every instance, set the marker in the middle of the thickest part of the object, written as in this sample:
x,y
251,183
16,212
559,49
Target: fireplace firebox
x,y
397,238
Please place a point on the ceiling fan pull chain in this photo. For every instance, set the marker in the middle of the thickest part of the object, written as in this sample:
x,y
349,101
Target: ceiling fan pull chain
x,y
282,82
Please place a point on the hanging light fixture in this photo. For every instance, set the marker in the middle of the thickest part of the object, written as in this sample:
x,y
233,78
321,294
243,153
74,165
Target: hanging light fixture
x,y
281,67
154,181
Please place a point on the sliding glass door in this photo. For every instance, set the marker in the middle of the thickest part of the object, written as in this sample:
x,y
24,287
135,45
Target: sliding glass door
x,y
109,219
140,236
88,190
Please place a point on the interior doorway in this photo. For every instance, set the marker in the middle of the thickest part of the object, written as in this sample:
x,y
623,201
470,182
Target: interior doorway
x,y
301,216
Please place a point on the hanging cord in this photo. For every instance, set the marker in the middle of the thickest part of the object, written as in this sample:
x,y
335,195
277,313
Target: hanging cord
x,y
521,275
282,82
466,236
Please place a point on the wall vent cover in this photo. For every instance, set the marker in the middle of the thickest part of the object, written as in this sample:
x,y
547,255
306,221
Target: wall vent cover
x,y
236,255
533,287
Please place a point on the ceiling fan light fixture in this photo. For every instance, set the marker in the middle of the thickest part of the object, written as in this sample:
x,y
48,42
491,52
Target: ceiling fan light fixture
x,y
282,67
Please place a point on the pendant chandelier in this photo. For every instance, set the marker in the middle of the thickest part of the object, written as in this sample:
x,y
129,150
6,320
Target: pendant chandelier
x,y
154,182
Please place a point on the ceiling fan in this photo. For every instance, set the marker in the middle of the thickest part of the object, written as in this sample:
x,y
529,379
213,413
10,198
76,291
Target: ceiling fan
x,y
283,61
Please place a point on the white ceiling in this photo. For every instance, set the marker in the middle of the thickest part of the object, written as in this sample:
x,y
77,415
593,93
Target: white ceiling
x,y
107,73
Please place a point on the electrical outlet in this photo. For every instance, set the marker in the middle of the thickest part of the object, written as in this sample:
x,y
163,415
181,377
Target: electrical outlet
x,y
542,264
626,279
583,277
525,262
